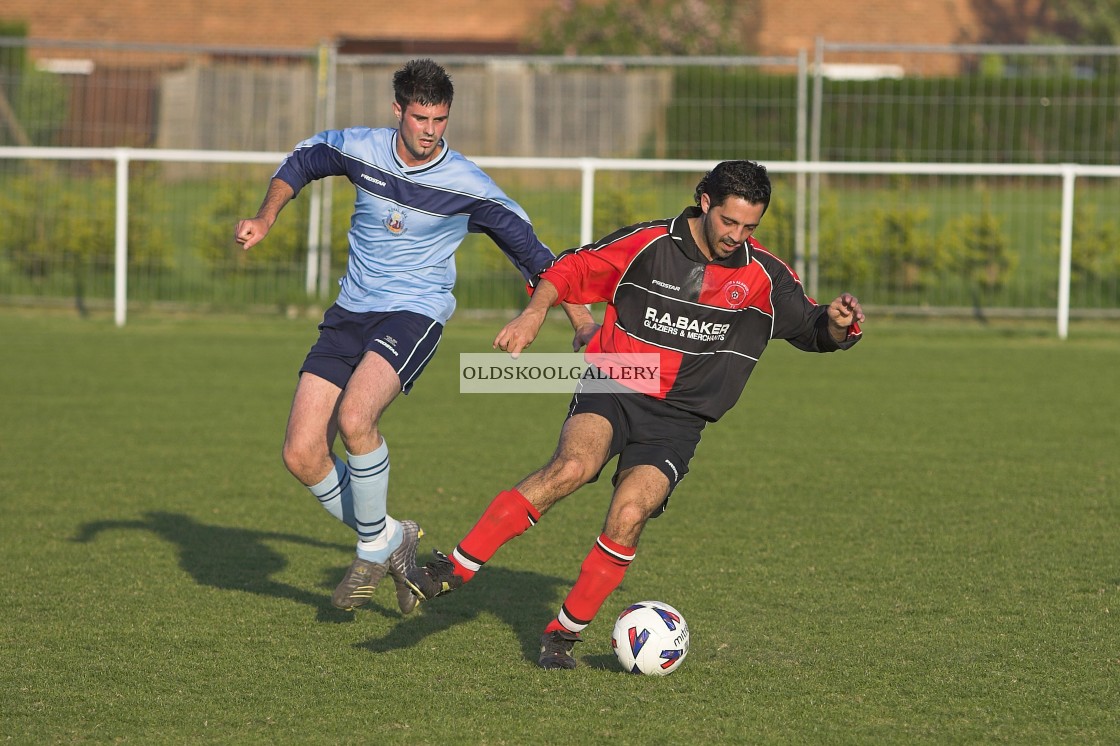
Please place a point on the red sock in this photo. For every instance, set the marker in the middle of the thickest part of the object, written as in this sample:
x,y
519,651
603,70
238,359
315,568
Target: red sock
x,y
508,515
600,574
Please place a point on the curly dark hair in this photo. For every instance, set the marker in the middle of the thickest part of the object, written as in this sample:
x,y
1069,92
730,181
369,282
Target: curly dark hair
x,y
422,82
744,179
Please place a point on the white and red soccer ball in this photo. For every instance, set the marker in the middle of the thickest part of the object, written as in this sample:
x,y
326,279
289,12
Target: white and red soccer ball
x,y
651,638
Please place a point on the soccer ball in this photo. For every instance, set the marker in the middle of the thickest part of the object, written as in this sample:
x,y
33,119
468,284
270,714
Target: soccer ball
x,y
650,637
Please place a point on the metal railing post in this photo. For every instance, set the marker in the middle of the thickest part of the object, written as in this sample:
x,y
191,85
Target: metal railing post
x,y
586,201
815,181
315,205
800,205
120,268
326,207
1069,176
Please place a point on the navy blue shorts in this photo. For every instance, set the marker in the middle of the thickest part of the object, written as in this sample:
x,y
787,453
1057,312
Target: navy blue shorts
x,y
646,431
407,340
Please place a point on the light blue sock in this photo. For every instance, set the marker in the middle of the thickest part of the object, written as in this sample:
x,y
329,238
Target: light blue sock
x,y
369,485
334,493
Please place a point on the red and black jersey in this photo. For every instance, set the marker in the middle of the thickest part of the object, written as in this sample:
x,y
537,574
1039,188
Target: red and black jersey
x,y
710,321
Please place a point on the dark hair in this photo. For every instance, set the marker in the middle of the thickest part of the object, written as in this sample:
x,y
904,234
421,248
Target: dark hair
x,y
422,82
744,179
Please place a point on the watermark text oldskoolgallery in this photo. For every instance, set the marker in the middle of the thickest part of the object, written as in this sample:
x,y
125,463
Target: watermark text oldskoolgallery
x,y
558,373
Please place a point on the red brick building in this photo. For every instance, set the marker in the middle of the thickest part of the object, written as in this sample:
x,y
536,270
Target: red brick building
x,y
270,23
773,27
782,27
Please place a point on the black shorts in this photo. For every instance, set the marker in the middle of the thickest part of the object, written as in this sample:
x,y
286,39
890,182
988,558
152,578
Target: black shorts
x,y
407,340
646,431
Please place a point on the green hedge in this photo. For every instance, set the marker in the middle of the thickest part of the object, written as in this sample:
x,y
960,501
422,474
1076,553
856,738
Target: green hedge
x,y
718,114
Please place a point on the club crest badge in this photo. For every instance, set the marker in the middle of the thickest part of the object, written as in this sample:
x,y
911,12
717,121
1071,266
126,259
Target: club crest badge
x,y
735,294
394,222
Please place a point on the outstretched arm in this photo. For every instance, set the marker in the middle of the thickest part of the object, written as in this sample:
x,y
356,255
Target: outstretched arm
x,y
251,231
842,314
520,333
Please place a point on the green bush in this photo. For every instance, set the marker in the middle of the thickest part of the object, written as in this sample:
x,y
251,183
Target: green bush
x,y
619,206
233,200
717,114
1096,242
1043,117
287,240
973,248
885,248
1095,261
53,221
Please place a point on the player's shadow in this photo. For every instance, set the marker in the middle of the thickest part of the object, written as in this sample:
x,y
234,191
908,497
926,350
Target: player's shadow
x,y
233,559
238,559
522,600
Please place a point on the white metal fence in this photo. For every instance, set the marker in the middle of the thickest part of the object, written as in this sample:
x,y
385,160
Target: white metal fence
x,y
807,262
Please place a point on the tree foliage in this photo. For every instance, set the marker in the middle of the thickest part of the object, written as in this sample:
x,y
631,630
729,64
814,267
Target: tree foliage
x,y
1096,246
642,27
53,220
974,248
1084,22
33,103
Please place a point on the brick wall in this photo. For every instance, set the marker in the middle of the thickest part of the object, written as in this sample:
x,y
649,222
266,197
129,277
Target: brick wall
x,y
774,27
782,27
269,23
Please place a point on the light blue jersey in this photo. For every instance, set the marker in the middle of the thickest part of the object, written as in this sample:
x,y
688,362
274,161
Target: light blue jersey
x,y
408,221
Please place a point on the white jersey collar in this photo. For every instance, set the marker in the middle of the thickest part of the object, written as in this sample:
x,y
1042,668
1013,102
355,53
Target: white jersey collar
x,y
444,150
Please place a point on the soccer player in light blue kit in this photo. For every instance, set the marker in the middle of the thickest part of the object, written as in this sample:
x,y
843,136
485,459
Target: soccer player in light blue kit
x,y
416,201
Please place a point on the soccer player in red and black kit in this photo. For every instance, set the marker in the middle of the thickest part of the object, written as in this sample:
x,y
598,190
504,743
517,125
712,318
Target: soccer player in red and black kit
x,y
699,291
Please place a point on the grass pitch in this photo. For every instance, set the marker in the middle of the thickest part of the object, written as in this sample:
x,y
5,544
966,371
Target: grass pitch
x,y
914,541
